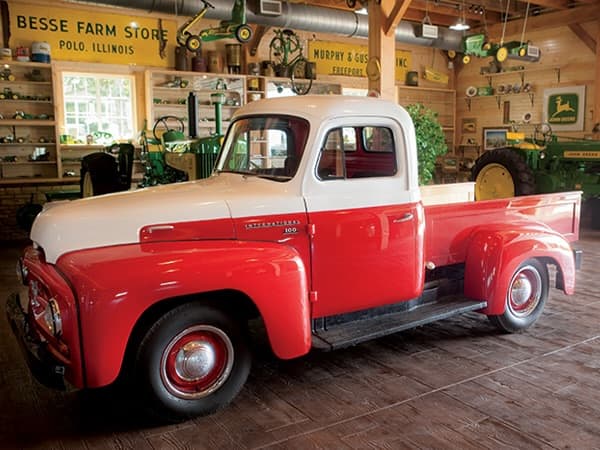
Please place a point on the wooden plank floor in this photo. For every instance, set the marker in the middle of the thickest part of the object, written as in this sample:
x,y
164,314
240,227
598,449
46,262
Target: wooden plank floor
x,y
454,384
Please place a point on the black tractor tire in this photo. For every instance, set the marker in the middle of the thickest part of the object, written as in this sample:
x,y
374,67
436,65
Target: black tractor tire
x,y
100,171
192,361
525,299
516,170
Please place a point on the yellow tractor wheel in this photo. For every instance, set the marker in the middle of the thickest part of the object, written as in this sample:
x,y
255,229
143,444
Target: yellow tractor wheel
x,y
502,173
494,181
502,54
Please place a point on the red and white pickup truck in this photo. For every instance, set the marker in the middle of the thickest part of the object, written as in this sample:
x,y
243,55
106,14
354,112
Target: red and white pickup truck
x,y
313,222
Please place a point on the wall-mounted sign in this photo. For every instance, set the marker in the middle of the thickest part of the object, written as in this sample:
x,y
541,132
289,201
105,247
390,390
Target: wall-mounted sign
x,y
93,36
564,108
333,58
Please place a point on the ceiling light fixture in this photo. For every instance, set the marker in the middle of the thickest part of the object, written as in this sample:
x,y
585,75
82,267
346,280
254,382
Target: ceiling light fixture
x,y
461,23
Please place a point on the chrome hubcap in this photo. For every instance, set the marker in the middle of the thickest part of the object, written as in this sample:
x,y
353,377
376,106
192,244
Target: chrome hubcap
x,y
197,362
525,291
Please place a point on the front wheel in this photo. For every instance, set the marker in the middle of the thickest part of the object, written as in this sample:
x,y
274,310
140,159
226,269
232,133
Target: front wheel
x,y
525,299
501,173
191,362
243,33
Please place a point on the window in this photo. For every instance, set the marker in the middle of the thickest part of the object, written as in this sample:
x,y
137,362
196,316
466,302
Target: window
x,y
270,147
101,106
357,152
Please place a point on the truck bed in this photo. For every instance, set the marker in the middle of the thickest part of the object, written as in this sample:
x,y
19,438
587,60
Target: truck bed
x,y
449,225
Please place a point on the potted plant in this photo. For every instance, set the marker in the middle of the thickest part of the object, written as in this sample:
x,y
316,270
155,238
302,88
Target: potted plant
x,y
431,141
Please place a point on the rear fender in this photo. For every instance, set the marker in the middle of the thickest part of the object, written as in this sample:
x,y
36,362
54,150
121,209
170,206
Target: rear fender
x,y
116,285
494,255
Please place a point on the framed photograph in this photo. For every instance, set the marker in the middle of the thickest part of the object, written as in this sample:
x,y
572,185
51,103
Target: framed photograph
x,y
469,125
494,138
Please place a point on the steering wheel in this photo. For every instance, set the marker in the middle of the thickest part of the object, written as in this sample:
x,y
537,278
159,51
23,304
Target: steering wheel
x,y
542,133
164,123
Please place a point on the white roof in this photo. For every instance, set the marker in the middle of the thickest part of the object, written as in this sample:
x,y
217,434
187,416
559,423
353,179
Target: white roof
x,y
322,107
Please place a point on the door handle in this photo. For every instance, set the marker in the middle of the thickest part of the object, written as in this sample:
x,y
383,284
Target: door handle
x,y
405,218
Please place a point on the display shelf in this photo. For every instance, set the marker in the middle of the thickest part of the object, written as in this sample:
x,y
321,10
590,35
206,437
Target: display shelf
x,y
28,89
167,93
521,75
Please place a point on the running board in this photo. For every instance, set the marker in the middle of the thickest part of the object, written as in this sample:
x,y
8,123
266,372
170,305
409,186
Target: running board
x,y
351,333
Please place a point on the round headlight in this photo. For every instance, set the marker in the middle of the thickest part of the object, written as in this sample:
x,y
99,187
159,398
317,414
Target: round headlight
x,y
22,271
52,318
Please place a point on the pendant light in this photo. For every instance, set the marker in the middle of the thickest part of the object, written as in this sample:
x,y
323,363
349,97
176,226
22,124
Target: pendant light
x,y
461,24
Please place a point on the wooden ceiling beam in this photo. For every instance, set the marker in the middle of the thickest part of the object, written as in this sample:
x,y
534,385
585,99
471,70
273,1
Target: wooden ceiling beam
x,y
432,8
584,36
396,15
555,4
550,20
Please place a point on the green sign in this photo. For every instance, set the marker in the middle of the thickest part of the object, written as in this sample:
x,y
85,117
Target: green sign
x,y
563,108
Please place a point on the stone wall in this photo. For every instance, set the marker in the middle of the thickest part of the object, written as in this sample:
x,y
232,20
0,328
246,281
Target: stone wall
x,y
14,197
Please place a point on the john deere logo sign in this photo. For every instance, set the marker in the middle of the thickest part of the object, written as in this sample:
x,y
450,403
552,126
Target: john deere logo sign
x,y
563,108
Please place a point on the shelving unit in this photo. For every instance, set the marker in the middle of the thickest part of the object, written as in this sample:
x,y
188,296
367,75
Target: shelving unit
x,y
440,100
28,136
167,94
521,75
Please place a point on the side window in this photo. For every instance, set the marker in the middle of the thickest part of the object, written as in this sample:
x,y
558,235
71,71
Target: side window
x,y
358,152
331,160
378,139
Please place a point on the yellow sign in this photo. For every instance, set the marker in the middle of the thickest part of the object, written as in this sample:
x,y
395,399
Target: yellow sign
x,y
92,36
582,154
332,58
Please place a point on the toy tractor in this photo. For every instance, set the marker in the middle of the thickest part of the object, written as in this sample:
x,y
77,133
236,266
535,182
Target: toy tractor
x,y
538,165
478,45
235,28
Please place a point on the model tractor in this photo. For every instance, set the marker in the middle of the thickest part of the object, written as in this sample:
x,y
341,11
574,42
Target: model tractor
x,y
478,45
234,28
538,165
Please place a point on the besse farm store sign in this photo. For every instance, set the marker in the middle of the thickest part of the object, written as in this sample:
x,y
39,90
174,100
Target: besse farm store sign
x,y
81,35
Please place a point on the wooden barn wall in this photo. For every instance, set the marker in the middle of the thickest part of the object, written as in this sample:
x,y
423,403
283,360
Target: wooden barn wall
x,y
562,52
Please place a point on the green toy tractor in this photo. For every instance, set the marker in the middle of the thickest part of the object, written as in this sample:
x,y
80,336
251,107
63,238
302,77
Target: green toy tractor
x,y
235,28
478,45
538,165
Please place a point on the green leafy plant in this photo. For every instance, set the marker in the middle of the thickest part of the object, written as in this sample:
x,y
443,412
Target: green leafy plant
x,y
431,141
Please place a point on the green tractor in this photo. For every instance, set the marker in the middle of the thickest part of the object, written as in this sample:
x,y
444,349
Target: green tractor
x,y
179,158
538,165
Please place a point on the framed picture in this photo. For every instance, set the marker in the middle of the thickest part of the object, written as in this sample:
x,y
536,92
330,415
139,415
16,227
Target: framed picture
x,y
469,125
494,138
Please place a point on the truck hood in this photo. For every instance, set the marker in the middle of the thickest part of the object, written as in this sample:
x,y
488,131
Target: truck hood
x,y
126,217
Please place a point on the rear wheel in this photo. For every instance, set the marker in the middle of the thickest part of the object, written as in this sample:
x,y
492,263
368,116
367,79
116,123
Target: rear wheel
x,y
243,33
192,361
525,299
501,173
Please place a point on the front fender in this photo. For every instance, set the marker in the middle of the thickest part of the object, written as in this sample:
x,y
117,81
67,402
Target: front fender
x,y
115,285
494,254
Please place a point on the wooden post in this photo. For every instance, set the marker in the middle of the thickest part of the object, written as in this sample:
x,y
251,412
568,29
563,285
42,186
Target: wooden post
x,y
596,114
381,67
382,48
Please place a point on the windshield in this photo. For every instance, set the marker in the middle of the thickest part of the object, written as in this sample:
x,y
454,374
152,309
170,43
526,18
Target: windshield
x,y
265,146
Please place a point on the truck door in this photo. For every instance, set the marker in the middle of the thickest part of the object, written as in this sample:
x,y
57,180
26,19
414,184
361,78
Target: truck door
x,y
367,241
